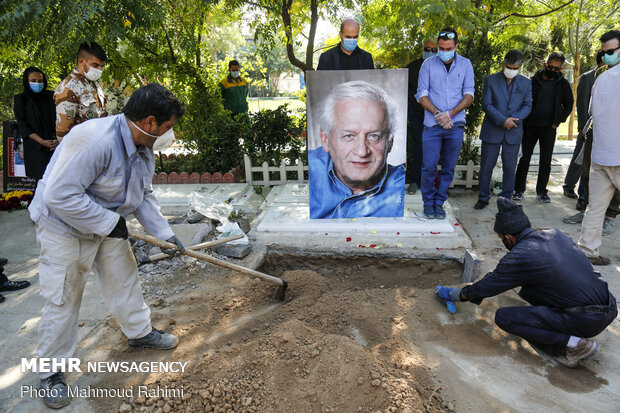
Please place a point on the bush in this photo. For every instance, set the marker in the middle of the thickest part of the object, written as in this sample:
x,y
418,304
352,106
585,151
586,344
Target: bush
x,y
208,131
276,137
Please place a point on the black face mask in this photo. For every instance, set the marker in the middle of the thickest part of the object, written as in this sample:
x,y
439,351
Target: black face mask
x,y
551,74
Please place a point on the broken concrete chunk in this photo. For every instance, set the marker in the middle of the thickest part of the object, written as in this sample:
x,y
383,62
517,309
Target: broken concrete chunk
x,y
471,267
194,218
186,232
234,250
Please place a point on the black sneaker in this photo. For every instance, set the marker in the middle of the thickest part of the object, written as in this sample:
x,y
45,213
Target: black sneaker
x,y
412,188
570,193
481,204
55,390
155,339
439,212
518,196
581,205
544,198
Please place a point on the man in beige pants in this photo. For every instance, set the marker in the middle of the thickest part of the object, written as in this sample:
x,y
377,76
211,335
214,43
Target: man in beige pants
x,y
605,166
100,173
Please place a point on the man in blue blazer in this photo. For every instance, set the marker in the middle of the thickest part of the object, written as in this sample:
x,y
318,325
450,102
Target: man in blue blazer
x,y
506,101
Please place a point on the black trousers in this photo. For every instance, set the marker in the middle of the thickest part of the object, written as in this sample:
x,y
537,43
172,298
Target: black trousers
x,y
574,171
550,328
414,147
532,135
614,205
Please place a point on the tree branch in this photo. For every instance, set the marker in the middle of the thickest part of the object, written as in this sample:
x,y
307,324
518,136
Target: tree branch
x,y
532,16
172,56
314,19
288,32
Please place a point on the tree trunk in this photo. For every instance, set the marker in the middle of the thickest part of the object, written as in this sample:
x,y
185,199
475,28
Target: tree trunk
x,y
288,33
576,70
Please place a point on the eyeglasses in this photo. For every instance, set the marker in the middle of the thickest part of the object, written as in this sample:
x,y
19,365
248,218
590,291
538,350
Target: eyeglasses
x,y
430,49
554,68
610,51
449,35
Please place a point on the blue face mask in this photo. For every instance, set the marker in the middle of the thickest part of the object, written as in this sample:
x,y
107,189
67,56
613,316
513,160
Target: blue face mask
x,y
36,87
428,55
445,56
611,60
349,44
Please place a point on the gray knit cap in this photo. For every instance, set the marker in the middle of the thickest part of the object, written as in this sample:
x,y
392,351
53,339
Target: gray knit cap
x,y
510,218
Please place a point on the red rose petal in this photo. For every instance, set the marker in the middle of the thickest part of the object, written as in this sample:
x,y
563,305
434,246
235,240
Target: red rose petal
x,y
348,239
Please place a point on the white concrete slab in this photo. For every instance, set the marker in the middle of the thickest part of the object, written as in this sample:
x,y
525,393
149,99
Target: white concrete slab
x,y
285,222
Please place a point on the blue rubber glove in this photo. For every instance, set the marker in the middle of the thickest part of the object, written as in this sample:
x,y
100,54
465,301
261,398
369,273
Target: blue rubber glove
x,y
444,293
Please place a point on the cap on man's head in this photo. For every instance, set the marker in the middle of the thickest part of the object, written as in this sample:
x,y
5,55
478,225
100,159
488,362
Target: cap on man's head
x,y
510,218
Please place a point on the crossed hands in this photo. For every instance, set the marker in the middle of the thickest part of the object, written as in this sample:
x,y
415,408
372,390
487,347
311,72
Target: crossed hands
x,y
443,120
511,123
50,144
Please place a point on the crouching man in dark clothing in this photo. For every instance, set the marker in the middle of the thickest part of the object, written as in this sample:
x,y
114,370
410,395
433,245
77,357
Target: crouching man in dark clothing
x,y
569,301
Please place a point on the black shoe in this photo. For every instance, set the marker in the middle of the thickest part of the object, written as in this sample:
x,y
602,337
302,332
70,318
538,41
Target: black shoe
x,y
518,196
481,204
544,198
570,193
55,390
412,188
581,205
155,339
14,285
2,298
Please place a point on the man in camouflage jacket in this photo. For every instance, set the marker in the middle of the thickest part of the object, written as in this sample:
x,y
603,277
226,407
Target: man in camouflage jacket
x,y
79,97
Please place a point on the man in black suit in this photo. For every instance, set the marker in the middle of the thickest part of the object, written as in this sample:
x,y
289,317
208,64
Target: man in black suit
x,y
346,55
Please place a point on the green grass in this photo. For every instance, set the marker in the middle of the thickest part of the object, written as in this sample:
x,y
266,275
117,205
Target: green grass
x,y
257,104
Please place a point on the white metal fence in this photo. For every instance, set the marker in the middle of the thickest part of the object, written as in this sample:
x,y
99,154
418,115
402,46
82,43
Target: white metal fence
x,y
463,174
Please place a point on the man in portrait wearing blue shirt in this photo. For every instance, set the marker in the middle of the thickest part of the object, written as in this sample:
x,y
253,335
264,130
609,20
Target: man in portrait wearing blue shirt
x,y
349,173
445,89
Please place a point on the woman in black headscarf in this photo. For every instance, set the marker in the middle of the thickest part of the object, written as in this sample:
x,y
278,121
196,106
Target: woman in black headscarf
x,y
36,118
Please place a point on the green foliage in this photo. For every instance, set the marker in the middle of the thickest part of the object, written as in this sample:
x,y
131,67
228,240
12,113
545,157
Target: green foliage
x,y
276,137
469,152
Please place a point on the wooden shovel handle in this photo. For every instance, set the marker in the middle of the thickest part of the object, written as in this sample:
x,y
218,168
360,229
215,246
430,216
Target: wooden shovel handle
x,y
196,247
168,245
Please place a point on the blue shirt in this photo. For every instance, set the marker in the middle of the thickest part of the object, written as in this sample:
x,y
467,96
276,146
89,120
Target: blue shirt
x,y
445,88
330,198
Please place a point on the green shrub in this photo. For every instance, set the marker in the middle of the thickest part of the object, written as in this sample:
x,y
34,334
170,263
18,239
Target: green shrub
x,y
276,137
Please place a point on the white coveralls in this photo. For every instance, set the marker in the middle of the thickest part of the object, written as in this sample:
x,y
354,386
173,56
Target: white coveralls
x,y
95,175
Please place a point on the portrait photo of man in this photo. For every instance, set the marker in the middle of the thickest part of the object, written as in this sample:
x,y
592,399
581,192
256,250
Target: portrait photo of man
x,y
350,175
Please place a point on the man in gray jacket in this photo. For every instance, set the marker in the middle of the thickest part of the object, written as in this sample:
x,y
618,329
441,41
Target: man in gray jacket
x,y
506,101
100,173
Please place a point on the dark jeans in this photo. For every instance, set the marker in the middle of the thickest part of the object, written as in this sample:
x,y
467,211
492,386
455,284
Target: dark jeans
x,y
614,205
414,148
531,135
574,171
550,328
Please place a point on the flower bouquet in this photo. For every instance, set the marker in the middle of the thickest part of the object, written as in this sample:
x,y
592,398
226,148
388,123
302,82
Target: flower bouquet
x,y
15,200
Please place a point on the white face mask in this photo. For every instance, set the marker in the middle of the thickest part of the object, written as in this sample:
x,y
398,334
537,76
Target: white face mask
x,y
510,73
92,74
163,141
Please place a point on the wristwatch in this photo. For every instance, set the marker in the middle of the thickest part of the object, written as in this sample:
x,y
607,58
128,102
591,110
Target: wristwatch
x,y
437,112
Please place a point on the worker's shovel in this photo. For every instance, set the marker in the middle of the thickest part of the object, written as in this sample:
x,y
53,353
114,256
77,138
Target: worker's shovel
x,y
234,267
196,247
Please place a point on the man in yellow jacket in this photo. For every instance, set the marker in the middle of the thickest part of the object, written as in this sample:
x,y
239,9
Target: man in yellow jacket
x,y
234,89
